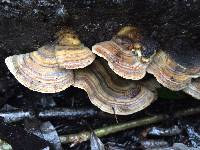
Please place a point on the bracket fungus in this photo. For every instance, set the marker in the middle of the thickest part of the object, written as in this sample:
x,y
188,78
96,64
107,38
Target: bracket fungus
x,y
168,71
128,53
131,53
110,92
193,88
48,70
33,75
70,53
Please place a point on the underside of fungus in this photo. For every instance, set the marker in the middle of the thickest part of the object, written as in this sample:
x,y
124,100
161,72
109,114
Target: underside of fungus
x,y
168,70
47,70
70,53
128,53
110,92
33,75
193,88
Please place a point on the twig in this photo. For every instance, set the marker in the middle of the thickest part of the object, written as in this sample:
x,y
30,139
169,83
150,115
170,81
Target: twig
x,y
59,113
68,113
84,136
15,115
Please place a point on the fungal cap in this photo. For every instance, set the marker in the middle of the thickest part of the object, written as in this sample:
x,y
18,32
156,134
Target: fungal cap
x,y
70,53
68,37
73,57
128,53
33,75
45,56
130,32
67,53
168,72
123,62
110,92
193,88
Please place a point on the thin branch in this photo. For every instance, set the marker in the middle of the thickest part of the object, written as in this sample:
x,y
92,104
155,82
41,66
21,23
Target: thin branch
x,y
68,113
59,113
84,136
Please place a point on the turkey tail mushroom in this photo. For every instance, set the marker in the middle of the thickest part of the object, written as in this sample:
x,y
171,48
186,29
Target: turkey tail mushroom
x,y
193,88
110,92
45,79
168,71
47,70
128,53
70,53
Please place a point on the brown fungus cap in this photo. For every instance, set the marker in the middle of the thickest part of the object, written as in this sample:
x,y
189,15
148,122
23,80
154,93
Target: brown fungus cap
x,y
193,88
170,69
168,72
128,53
185,52
67,52
70,53
110,92
47,69
30,72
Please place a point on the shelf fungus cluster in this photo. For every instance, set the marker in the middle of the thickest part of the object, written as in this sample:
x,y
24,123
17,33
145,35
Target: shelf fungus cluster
x,y
174,75
110,85
128,53
110,92
49,69
131,53
168,71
